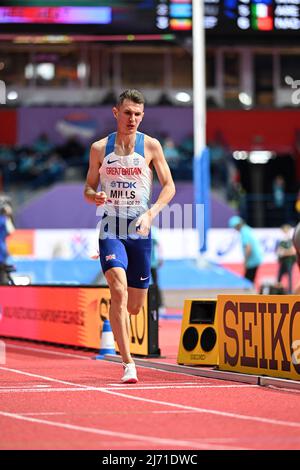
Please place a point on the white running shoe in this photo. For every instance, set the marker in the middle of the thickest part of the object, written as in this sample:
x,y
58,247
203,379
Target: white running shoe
x,y
129,376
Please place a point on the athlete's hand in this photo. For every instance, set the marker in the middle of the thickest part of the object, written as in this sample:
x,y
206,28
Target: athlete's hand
x,y
143,224
100,198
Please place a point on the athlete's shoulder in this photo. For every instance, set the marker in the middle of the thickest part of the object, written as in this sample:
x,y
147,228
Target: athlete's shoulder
x,y
151,142
98,151
99,145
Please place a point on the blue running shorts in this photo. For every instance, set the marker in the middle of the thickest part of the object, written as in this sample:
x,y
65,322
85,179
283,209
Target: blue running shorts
x,y
121,247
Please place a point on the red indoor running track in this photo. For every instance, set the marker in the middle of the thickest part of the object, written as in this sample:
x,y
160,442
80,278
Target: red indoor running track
x,y
54,398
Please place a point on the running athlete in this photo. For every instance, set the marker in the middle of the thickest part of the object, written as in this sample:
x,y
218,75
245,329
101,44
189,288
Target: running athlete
x,y
122,163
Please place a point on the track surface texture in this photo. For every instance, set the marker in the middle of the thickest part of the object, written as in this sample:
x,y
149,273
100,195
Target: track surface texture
x,y
54,398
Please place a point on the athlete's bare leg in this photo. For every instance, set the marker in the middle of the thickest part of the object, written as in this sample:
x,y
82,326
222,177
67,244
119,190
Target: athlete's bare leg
x,y
118,314
297,290
136,300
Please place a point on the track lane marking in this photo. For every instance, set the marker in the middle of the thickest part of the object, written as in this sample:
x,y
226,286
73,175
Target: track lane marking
x,y
54,353
134,437
132,387
163,403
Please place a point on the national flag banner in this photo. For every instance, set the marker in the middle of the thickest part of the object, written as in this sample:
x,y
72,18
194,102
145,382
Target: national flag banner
x,y
262,17
180,24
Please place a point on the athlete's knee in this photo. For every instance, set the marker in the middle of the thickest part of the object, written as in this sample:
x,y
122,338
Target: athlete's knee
x,y
134,309
119,294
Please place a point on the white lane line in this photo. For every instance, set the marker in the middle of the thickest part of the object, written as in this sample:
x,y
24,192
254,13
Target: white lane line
x,y
45,413
88,413
54,353
213,412
122,435
238,416
279,389
47,390
177,373
161,387
125,387
149,384
7,387
48,413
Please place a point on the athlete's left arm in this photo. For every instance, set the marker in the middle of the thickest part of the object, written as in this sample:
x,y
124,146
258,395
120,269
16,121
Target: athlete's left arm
x,y
165,178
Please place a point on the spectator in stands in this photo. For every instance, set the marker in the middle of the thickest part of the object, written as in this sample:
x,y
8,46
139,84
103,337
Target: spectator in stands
x,y
51,171
171,153
219,153
42,144
73,152
236,194
250,245
296,242
286,256
30,165
6,227
187,147
279,191
7,166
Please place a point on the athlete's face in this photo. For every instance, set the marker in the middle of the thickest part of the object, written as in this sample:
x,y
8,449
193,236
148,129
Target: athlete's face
x,y
129,115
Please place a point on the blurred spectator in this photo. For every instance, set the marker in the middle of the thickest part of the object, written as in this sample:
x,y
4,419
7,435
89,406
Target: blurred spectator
x,y
237,197
219,153
187,147
250,245
42,144
279,191
6,227
51,171
72,152
279,200
171,153
40,170
286,256
30,165
236,194
7,166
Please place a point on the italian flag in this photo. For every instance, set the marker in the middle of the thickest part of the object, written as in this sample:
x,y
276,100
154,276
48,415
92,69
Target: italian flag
x,y
262,17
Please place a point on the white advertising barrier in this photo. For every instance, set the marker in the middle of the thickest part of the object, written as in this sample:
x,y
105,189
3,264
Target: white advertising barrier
x,y
65,244
82,244
224,246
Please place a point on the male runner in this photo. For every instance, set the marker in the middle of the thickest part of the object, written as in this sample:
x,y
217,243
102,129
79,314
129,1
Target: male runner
x,y
122,163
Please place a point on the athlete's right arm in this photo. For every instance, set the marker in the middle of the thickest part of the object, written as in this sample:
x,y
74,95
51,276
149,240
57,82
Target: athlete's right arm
x,y
92,179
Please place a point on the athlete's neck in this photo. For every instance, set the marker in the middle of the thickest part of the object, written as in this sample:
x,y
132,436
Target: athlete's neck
x,y
125,141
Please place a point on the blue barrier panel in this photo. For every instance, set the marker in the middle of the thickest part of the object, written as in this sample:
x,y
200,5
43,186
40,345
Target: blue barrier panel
x,y
59,271
202,193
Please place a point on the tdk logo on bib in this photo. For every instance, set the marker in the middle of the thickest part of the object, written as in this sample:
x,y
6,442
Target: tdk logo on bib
x,y
123,184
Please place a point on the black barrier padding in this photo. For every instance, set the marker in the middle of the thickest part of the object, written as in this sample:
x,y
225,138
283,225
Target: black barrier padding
x,y
153,345
190,338
208,339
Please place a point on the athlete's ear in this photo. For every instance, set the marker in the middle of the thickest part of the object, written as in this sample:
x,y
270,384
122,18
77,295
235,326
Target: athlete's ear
x,y
115,111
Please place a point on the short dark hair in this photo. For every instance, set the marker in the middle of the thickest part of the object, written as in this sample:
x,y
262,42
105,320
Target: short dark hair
x,y
131,95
